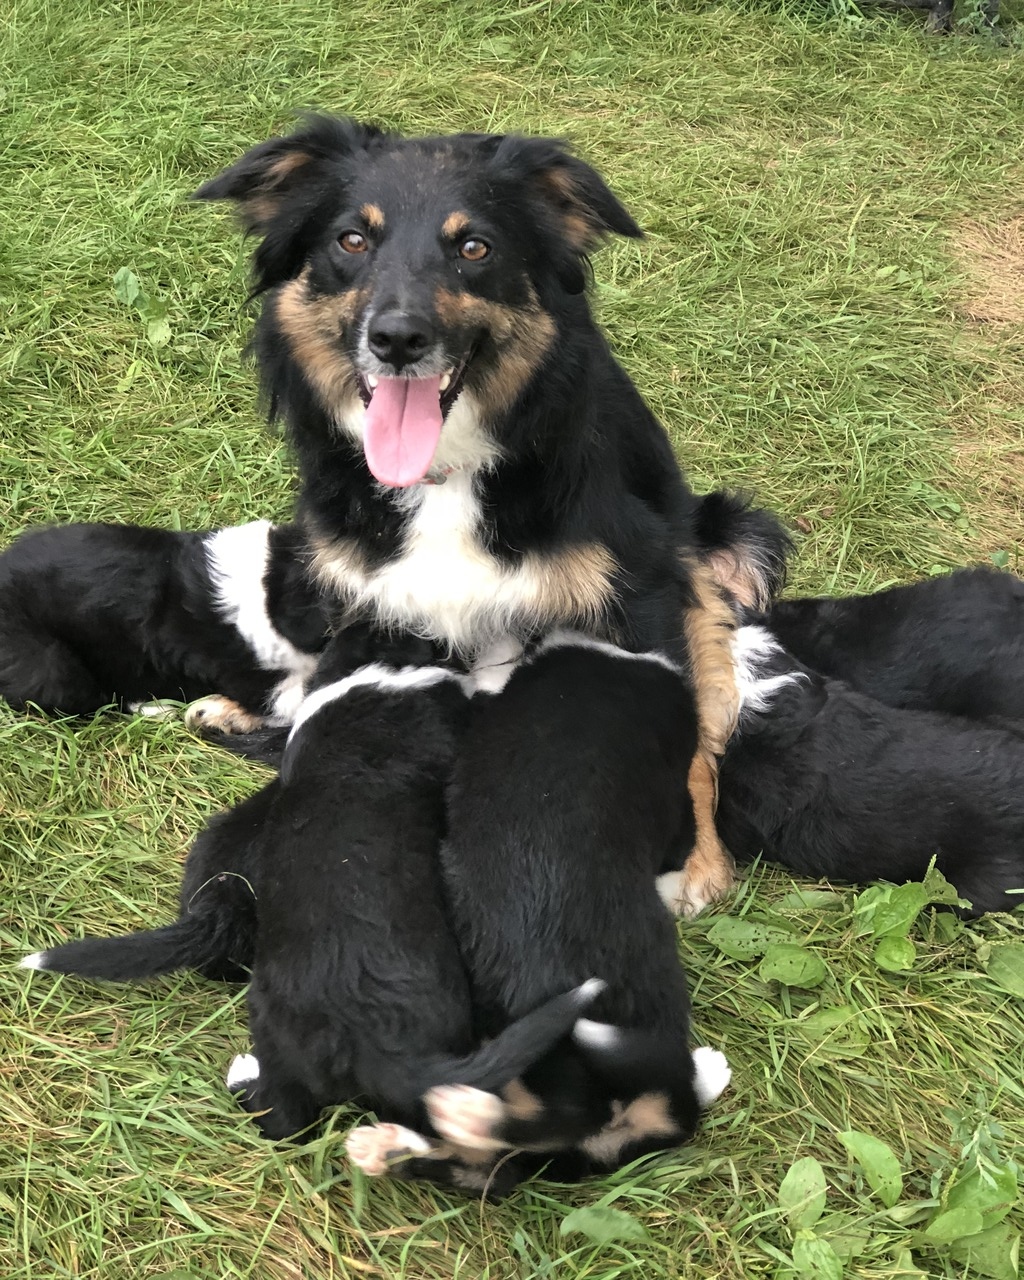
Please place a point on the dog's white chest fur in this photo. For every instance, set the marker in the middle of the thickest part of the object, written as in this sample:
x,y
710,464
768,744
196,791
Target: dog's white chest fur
x,y
445,580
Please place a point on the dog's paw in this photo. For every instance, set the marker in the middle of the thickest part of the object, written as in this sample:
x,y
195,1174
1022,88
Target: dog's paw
x,y
221,715
372,1147
702,881
712,1074
243,1071
465,1116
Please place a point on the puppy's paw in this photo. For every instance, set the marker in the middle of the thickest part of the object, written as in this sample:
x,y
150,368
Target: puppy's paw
x,y
221,715
712,1074
466,1116
243,1071
372,1147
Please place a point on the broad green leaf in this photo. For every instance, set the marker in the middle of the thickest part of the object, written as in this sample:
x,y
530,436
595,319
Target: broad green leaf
x,y
1006,967
158,332
995,1253
810,900
836,1031
954,1224
939,889
600,1223
802,1193
993,1193
744,940
895,954
795,966
126,286
881,1168
896,915
816,1258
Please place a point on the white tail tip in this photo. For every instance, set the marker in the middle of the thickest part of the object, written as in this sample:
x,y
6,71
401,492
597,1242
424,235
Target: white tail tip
x,y
37,960
244,1070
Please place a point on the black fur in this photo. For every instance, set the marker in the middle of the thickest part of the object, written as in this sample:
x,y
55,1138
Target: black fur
x,y
328,882
953,644
565,803
582,461
94,614
832,783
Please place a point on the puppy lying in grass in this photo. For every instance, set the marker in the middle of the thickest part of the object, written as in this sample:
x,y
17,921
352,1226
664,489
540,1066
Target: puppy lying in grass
x,y
327,882
563,808
833,783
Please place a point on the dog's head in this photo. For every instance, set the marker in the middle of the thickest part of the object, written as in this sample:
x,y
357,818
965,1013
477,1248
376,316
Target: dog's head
x,y
411,274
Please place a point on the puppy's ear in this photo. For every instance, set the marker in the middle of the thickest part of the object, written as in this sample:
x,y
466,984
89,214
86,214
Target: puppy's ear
x,y
576,196
267,176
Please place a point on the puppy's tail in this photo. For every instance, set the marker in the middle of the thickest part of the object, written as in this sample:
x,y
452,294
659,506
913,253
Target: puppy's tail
x,y
207,940
517,1047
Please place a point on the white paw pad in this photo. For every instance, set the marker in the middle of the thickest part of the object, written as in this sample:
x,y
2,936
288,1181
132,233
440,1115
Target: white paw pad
x,y
712,1074
371,1147
465,1116
244,1070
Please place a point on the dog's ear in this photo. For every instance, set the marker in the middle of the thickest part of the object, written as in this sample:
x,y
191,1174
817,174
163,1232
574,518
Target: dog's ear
x,y
578,198
267,176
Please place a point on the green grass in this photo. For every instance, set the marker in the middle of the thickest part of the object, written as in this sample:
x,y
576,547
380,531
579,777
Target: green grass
x,y
797,316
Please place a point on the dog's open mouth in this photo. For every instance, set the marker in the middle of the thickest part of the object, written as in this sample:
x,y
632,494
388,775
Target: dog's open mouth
x,y
404,417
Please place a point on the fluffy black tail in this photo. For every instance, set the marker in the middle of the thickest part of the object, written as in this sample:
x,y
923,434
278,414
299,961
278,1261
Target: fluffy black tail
x,y
207,941
266,745
747,547
508,1054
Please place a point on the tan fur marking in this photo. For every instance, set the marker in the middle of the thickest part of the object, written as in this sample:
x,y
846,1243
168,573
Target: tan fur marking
x,y
740,577
314,326
523,334
455,225
708,627
286,165
223,715
709,872
573,585
373,216
647,1116
579,229
520,1102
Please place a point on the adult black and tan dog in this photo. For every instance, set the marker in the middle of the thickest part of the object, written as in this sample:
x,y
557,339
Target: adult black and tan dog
x,y
327,883
831,782
94,614
474,463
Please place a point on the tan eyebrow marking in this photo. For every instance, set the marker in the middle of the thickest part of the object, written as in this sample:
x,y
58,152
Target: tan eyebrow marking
x,y
455,224
373,216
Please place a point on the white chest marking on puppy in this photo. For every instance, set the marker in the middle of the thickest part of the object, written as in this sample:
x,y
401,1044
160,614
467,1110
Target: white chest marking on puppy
x,y
237,563
752,649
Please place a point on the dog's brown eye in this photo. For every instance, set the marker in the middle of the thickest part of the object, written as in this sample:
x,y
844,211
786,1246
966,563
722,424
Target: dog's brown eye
x,y
353,242
474,250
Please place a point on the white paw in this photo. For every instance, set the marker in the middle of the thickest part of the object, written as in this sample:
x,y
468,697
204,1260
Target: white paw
x,y
244,1070
465,1116
713,1074
371,1147
493,666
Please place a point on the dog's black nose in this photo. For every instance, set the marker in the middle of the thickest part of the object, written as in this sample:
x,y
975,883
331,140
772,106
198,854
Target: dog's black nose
x,y
400,338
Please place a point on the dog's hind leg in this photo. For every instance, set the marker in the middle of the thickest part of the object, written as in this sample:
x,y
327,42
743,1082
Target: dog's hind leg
x,y
280,1108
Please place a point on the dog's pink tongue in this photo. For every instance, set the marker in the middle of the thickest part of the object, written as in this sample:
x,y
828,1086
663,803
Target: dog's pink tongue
x,y
401,429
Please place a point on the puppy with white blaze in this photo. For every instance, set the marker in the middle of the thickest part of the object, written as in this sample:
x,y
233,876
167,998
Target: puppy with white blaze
x,y
832,783
328,881
93,614
563,808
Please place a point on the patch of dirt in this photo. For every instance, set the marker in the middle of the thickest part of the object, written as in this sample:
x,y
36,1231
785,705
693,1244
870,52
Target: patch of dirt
x,y
994,260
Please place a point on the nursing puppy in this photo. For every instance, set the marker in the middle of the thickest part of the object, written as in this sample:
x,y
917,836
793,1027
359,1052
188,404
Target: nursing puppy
x,y
564,807
92,614
357,988
953,644
832,783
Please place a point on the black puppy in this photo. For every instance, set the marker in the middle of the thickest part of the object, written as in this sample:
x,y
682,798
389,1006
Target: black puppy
x,y
331,876
830,782
565,804
92,614
953,644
